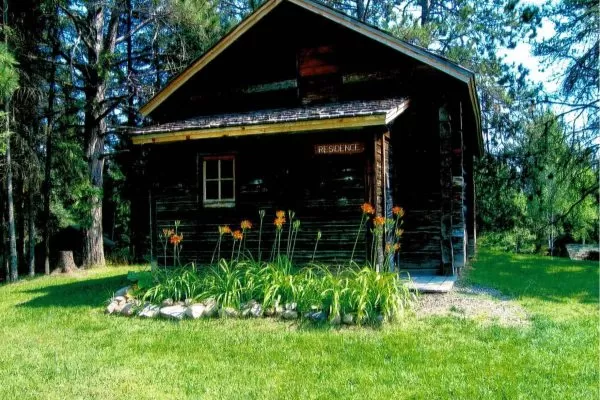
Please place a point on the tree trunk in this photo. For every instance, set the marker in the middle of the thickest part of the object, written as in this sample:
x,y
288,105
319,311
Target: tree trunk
x,y
14,271
93,235
20,222
47,187
100,49
424,11
31,234
65,263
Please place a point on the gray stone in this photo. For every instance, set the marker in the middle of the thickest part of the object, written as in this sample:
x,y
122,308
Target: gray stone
x,y
278,310
149,311
289,314
316,316
120,299
195,311
167,302
188,302
269,312
256,311
291,306
173,312
348,319
336,320
128,310
123,291
211,308
228,312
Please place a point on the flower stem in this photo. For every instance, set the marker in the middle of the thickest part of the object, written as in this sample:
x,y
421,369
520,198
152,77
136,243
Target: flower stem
x,y
362,221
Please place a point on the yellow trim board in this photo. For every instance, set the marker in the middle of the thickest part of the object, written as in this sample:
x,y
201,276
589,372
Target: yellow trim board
x,y
262,129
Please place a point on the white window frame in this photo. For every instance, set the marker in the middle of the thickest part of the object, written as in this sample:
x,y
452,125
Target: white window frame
x,y
220,202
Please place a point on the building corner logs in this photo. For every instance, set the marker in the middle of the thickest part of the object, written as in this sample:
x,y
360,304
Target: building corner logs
x,y
445,132
459,229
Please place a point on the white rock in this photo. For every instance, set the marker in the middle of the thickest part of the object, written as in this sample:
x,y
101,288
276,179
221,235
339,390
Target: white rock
x,y
289,314
120,299
110,308
173,312
291,306
149,311
167,302
123,291
195,311
256,311
188,302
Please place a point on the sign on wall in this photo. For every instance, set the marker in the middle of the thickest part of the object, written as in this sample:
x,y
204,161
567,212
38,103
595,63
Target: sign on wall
x,y
339,148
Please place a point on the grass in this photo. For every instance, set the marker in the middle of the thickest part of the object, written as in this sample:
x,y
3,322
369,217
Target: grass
x,y
57,344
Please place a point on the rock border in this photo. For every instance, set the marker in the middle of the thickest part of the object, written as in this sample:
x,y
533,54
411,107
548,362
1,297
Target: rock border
x,y
123,303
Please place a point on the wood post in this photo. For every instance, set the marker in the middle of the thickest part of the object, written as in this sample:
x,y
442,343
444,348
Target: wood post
x,y
445,131
379,197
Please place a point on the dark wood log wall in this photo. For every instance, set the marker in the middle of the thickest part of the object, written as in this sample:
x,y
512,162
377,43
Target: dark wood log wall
x,y
416,186
276,173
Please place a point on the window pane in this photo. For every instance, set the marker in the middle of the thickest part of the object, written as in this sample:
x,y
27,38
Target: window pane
x,y
212,190
211,169
226,189
226,168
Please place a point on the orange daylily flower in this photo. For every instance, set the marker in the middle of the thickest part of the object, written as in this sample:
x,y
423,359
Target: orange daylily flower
x,y
224,229
280,214
175,239
379,221
398,211
367,209
246,224
389,247
237,235
279,221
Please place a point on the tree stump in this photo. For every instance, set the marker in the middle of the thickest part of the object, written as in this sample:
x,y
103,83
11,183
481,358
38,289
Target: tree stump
x,y
65,263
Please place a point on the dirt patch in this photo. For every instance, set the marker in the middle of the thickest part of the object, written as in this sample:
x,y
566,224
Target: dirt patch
x,y
485,305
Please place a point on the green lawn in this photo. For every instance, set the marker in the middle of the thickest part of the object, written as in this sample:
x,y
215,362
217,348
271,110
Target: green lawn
x,y
56,343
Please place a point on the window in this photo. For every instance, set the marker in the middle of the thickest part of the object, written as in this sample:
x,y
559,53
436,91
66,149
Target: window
x,y
218,177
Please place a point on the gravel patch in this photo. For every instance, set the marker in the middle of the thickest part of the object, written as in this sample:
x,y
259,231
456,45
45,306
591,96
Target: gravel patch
x,y
485,305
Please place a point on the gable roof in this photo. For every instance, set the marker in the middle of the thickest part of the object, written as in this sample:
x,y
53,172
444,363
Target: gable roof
x,y
437,62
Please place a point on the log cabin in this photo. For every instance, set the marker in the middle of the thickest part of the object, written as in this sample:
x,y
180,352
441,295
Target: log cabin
x,y
303,108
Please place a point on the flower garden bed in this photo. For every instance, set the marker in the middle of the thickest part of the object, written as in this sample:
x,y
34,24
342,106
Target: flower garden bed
x,y
268,289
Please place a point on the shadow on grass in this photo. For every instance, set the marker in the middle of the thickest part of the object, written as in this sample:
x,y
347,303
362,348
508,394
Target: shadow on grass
x,y
88,292
550,279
